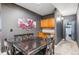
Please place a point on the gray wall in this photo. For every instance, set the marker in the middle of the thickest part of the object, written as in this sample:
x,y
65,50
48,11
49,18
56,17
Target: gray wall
x,y
59,27
10,15
48,16
77,28
60,31
0,26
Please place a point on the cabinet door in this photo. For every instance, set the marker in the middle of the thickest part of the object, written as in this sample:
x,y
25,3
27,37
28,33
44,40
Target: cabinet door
x,y
48,23
51,22
44,23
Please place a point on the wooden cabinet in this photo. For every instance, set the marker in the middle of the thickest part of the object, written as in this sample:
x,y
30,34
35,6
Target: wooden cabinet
x,y
48,23
41,35
44,23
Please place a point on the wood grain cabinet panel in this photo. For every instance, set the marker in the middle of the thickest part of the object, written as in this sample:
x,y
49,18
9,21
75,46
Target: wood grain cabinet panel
x,y
48,23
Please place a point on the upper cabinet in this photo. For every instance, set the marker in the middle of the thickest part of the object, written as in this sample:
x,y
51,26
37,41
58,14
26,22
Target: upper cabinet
x,y
48,23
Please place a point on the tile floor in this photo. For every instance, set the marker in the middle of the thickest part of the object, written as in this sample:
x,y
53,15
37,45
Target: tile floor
x,y
68,47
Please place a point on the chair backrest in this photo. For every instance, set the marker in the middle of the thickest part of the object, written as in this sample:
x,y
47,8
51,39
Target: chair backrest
x,y
9,48
21,37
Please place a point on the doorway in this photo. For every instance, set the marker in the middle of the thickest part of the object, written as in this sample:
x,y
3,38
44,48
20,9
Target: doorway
x,y
69,28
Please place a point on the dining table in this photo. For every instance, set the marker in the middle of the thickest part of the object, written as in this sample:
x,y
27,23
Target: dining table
x,y
28,47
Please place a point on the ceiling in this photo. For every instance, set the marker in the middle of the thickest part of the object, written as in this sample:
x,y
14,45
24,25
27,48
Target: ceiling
x,y
48,8
66,8
39,8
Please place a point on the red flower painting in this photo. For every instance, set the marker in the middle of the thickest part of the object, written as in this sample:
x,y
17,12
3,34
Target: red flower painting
x,y
26,25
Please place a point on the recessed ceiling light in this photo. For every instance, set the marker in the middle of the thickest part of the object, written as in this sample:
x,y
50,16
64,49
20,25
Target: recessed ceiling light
x,y
58,18
62,18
